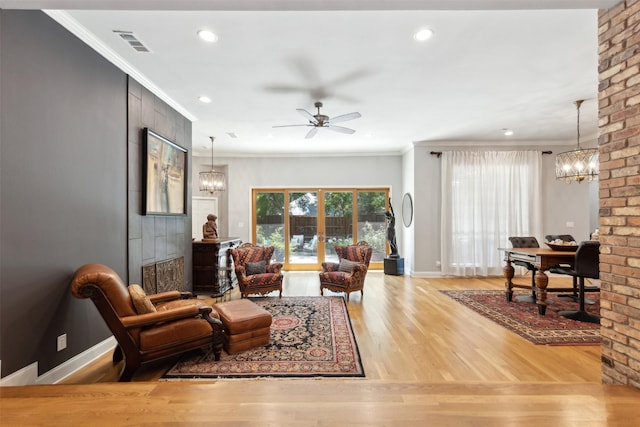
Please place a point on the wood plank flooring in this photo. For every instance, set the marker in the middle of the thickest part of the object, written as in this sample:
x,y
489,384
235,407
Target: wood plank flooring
x,y
428,361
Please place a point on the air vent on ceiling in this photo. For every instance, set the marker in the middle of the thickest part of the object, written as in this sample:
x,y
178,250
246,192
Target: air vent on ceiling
x,y
133,40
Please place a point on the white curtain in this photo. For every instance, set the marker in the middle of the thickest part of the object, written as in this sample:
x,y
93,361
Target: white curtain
x,y
487,197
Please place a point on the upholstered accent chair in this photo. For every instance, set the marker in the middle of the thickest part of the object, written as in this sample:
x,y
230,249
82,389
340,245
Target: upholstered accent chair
x,y
526,242
348,274
147,327
255,272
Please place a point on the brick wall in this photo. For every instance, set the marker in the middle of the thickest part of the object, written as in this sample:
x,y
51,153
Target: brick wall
x,y
619,105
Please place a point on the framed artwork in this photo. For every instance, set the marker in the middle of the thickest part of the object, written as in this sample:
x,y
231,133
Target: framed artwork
x,y
165,172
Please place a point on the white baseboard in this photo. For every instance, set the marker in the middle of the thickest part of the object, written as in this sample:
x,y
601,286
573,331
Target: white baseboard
x,y
29,374
426,274
25,376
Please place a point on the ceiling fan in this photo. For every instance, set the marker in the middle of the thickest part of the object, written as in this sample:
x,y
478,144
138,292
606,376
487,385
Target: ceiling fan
x,y
322,121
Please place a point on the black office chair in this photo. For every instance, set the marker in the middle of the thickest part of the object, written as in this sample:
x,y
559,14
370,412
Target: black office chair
x,y
586,265
574,296
526,242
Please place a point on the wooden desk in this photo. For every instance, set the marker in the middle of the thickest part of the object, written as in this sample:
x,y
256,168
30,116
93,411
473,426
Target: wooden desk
x,y
540,258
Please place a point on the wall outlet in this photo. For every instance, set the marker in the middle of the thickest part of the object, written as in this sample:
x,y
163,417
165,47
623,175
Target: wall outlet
x,y
62,342
570,224
437,263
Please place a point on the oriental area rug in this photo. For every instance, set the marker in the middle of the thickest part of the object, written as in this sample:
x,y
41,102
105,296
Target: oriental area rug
x,y
310,337
523,319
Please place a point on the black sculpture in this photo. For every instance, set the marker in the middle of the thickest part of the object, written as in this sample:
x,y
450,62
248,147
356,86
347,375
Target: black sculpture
x,y
391,231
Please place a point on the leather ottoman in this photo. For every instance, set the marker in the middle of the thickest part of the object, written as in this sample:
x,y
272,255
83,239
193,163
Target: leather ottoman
x,y
245,325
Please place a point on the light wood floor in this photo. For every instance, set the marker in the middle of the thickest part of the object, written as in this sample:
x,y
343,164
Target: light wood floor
x,y
428,361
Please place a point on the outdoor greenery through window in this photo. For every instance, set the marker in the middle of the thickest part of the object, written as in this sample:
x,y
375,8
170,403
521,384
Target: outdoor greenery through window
x,y
304,225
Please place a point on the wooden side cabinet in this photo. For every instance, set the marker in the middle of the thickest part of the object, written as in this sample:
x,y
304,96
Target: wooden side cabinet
x,y
212,266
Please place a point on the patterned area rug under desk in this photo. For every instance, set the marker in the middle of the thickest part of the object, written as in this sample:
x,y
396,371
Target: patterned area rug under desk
x,y
523,319
310,337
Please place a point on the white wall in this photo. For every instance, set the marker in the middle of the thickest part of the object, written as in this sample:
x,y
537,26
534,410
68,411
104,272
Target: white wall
x,y
416,172
562,204
407,233
245,173
426,212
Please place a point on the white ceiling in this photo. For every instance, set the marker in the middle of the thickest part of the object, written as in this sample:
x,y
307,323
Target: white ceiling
x,y
484,69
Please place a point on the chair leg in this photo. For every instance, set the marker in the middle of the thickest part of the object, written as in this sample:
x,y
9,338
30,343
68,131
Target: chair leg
x,y
575,296
117,354
128,371
581,315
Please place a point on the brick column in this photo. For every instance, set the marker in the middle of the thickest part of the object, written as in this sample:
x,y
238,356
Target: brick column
x,y
619,141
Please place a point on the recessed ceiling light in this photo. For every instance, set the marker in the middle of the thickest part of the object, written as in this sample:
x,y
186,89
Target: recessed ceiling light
x,y
205,99
507,132
207,36
423,34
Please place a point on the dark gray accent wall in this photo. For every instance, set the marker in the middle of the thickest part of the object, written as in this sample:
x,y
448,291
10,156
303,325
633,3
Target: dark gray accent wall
x,y
63,186
154,238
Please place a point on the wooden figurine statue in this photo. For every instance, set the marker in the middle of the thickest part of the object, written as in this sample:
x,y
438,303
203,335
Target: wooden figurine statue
x,y
210,228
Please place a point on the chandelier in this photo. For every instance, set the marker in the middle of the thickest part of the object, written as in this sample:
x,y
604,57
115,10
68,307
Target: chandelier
x,y
580,164
212,181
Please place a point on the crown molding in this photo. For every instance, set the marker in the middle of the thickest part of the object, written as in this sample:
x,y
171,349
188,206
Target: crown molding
x,y
73,26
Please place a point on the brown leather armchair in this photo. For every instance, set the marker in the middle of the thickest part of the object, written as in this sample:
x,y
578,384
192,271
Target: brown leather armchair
x,y
255,272
347,276
172,325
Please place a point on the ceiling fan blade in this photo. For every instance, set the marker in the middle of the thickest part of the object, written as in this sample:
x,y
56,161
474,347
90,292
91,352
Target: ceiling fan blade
x,y
345,117
284,88
311,133
307,115
288,126
340,129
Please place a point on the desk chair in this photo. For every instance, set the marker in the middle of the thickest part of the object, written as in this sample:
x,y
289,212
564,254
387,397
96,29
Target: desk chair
x,y
561,269
586,265
526,242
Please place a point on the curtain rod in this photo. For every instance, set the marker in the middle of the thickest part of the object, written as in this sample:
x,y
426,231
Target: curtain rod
x,y
439,153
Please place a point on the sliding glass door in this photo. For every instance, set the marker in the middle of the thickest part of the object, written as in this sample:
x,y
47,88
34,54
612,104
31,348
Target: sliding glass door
x,y
304,236
305,225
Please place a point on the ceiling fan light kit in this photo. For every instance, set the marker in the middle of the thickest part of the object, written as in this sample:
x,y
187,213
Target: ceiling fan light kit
x,y
320,120
580,164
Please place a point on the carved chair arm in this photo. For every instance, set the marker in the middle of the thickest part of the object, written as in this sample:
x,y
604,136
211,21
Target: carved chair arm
x,y
359,267
241,272
329,266
274,267
358,272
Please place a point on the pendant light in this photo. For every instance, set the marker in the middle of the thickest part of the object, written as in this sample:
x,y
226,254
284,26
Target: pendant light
x,y
580,164
213,182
